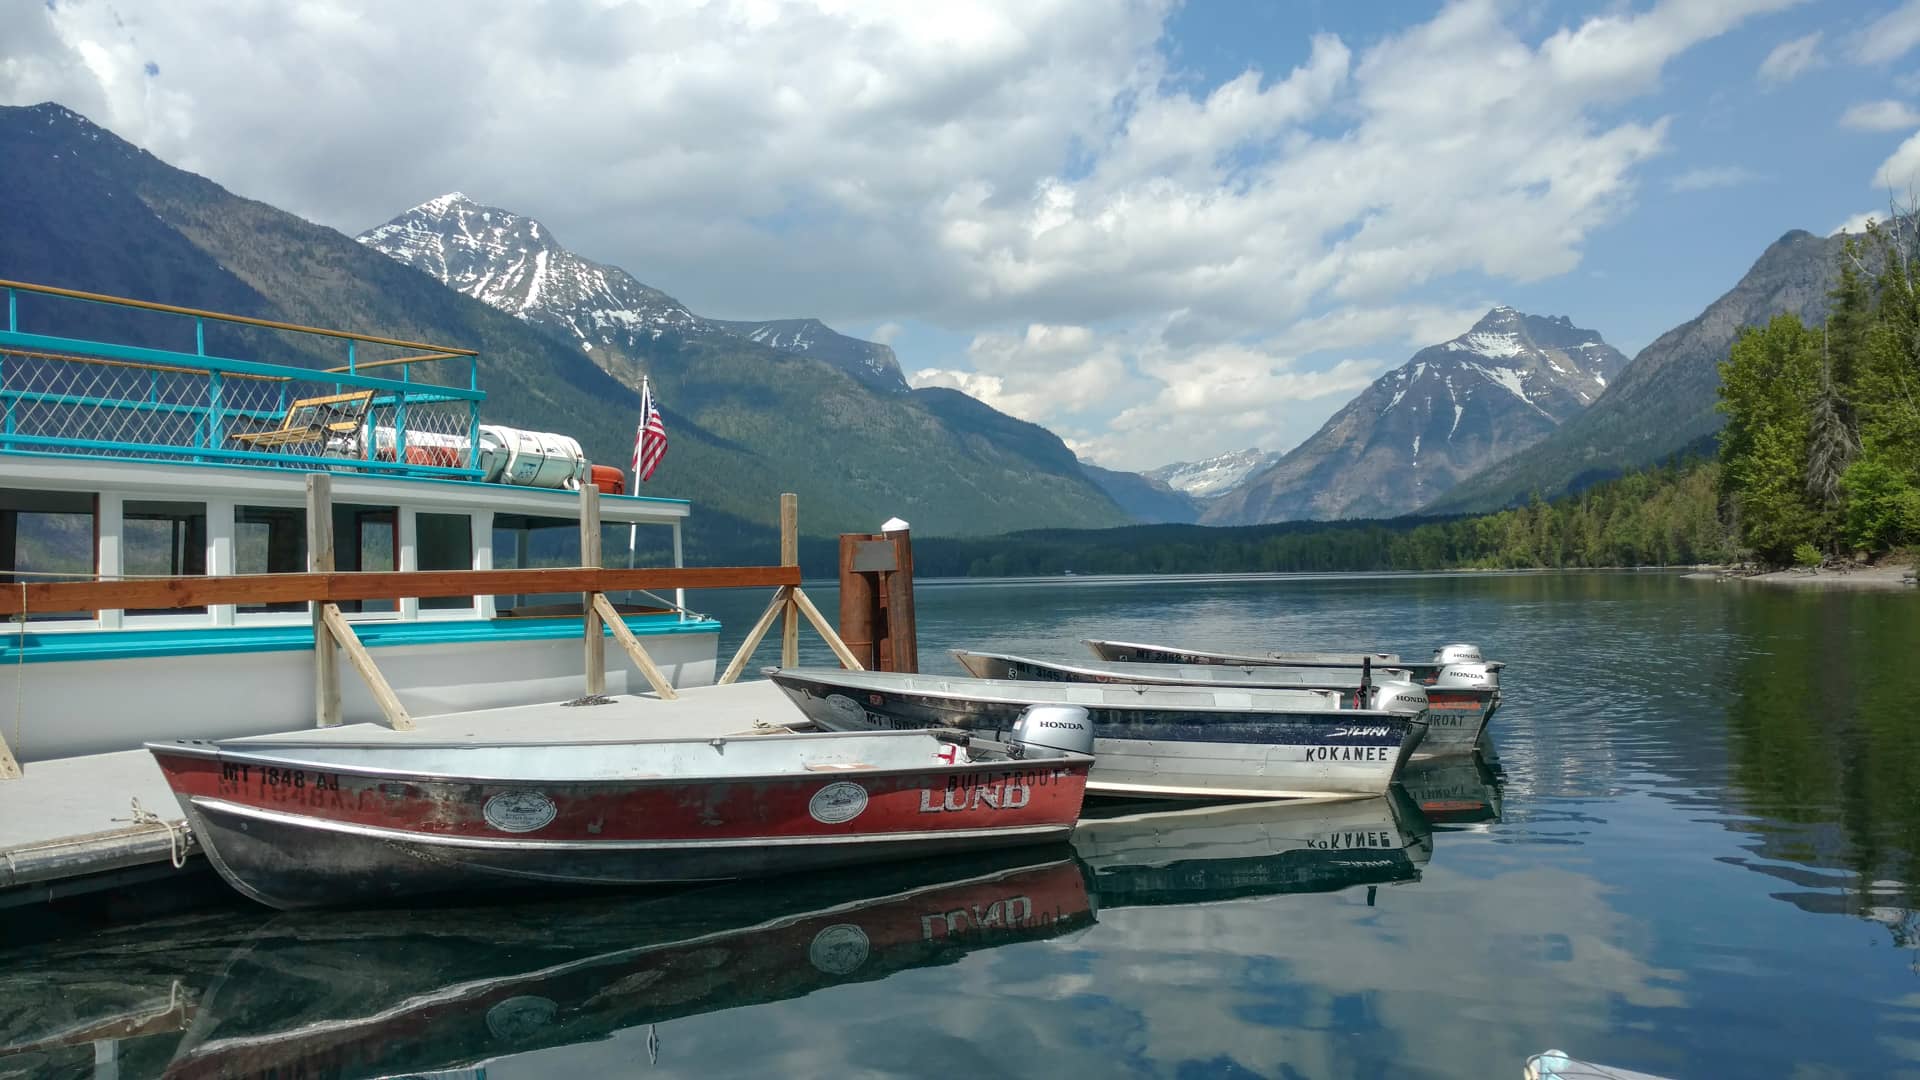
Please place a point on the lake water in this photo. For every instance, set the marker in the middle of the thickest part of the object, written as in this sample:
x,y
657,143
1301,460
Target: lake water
x,y
1689,851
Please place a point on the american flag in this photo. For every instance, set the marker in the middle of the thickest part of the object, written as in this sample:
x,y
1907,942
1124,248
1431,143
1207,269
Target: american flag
x,y
650,441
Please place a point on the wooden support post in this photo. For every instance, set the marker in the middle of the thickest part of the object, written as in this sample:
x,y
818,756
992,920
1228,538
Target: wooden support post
x,y
635,653
9,767
819,622
790,556
590,613
856,600
782,601
899,586
342,631
326,660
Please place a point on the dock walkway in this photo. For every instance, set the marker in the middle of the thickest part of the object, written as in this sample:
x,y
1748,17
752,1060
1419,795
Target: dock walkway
x,y
70,819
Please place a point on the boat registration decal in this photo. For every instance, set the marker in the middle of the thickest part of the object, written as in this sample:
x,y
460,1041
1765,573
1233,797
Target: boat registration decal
x,y
839,949
846,710
840,801
519,811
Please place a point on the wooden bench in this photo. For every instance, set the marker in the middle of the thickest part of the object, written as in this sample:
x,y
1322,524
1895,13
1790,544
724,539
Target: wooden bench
x,y
311,420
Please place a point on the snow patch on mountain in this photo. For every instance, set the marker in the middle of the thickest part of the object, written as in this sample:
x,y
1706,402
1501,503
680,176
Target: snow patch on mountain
x,y
1215,475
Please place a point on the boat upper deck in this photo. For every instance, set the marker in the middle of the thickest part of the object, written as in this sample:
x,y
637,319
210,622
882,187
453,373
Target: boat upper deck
x,y
87,377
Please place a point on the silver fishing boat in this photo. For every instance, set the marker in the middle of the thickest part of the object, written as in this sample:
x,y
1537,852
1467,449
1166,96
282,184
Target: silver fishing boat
x,y
1148,741
1463,657
1458,705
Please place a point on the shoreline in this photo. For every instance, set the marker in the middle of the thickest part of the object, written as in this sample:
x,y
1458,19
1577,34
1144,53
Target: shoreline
x,y
1887,576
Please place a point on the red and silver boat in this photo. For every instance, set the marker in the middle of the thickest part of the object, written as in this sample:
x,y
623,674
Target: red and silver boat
x,y
308,824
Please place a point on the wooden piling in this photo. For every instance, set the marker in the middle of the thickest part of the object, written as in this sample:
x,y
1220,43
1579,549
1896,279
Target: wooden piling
x,y
636,652
901,632
596,655
326,657
876,600
342,634
856,601
790,556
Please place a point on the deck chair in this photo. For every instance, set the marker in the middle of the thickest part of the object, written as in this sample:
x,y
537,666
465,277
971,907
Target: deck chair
x,y
312,420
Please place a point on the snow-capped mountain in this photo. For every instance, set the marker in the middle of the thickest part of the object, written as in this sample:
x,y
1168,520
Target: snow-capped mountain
x,y
1215,475
513,263
1419,429
868,361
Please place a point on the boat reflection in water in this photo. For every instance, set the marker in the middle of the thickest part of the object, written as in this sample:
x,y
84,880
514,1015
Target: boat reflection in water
x,y
1174,853
1461,792
434,989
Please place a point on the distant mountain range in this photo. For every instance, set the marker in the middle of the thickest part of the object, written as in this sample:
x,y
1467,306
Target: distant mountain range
x,y
511,262
1419,429
1663,402
86,210
1215,475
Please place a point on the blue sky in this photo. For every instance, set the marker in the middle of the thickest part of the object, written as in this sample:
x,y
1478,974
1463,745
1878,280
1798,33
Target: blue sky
x,y
1164,230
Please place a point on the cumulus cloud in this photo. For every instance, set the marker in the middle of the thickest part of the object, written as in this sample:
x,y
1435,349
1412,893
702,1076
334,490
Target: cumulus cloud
x,y
1900,173
979,166
1718,176
1880,116
1791,59
1892,35
1858,222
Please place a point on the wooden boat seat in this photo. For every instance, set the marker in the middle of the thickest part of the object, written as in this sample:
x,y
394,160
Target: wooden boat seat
x,y
311,420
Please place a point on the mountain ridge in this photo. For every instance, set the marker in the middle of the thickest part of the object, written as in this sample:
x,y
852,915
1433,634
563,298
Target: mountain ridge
x,y
1482,396
1664,400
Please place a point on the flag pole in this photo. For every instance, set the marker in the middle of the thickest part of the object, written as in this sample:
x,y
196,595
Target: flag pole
x,y
633,527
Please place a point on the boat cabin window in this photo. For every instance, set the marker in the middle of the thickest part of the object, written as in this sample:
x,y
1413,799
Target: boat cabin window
x,y
164,539
47,536
366,538
443,542
270,540
523,541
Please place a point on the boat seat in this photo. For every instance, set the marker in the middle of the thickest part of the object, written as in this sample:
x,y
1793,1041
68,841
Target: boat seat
x,y
312,420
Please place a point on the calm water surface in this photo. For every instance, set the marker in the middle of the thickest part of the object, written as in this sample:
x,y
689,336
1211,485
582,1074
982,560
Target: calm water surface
x,y
1689,850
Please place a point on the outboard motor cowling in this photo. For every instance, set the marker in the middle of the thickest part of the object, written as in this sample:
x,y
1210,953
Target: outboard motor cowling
x,y
1458,653
1397,696
1466,677
1048,730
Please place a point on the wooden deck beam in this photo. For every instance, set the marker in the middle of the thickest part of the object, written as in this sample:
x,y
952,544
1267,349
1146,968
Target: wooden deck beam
x,y
655,677
193,592
341,631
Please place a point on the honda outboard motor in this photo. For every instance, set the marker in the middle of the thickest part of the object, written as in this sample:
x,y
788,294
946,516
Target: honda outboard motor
x,y
1397,696
1466,677
1047,730
1458,653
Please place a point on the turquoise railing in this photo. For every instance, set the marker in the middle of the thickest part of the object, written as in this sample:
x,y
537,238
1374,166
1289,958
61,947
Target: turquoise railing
x,y
70,395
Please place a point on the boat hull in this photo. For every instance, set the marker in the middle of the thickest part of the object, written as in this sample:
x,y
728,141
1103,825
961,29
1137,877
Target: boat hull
x,y
292,836
1456,719
1149,751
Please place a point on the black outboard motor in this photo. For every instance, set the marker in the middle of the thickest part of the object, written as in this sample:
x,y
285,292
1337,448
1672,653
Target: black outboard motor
x,y
1049,730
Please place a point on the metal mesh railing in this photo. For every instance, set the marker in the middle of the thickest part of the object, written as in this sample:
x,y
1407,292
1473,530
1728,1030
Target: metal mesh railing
x,y
84,405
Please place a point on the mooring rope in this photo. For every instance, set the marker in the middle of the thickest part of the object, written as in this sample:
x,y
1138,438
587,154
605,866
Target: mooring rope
x,y
179,833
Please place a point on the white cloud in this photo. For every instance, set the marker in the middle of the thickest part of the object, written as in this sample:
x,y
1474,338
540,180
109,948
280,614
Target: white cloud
x,y
1900,173
1892,35
885,333
1880,116
1859,222
1717,176
977,165
1791,59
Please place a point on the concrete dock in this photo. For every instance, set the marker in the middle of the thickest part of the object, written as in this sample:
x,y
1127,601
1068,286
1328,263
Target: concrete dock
x,y
69,825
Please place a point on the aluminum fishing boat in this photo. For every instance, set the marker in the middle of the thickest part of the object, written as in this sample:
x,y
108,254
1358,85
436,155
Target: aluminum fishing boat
x,y
306,824
1177,853
1462,657
1458,708
1148,741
